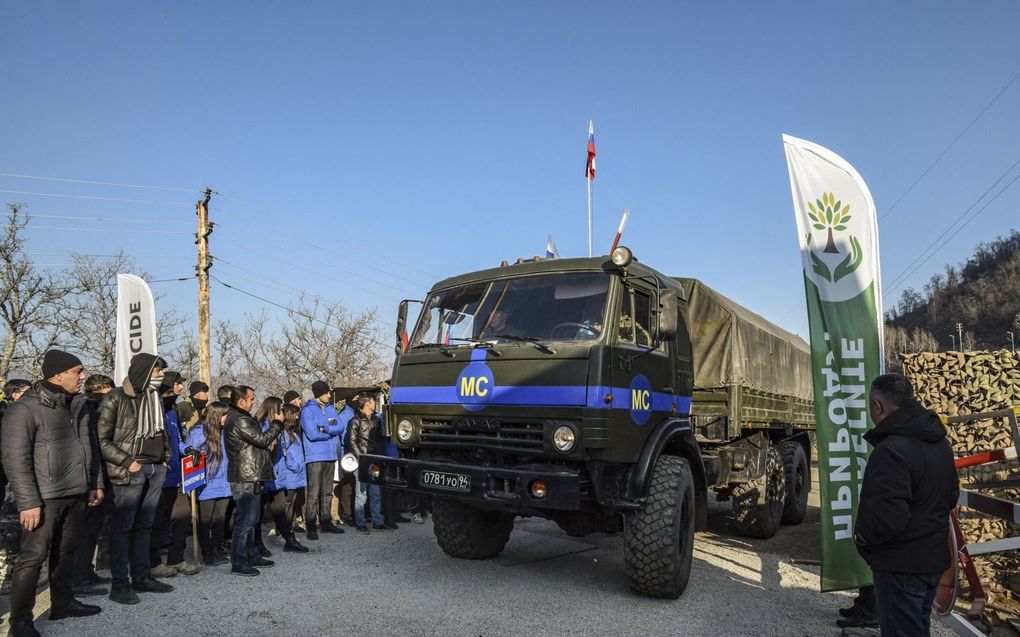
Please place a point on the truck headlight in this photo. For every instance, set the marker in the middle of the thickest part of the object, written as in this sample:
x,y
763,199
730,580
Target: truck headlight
x,y
564,438
405,429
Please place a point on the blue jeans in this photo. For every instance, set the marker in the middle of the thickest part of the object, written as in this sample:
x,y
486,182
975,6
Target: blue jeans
x,y
134,508
904,603
248,496
370,492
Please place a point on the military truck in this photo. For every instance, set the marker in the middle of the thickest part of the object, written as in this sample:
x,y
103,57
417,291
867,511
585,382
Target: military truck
x,y
602,395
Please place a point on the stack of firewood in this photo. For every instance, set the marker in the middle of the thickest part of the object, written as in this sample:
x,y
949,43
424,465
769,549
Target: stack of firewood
x,y
964,383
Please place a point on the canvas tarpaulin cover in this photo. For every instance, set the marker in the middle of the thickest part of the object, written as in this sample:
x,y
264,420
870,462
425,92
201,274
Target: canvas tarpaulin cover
x,y
734,346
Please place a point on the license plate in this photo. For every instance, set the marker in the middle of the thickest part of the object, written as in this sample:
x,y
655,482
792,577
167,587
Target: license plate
x,y
447,481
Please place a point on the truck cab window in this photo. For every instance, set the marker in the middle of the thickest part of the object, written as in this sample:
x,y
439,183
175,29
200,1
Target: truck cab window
x,y
635,319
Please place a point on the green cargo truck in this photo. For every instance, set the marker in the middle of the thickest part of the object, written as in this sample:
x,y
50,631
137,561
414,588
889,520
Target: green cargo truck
x,y
602,395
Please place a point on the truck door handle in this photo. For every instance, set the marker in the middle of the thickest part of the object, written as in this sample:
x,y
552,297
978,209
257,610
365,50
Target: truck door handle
x,y
668,390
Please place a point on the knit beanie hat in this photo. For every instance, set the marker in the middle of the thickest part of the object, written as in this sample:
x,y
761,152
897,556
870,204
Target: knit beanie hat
x,y
290,395
56,361
319,388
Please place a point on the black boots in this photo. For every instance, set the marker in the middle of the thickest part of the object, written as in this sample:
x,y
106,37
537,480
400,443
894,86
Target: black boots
x,y
293,546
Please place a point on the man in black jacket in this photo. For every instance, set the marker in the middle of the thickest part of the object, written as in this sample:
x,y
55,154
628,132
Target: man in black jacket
x,y
909,487
51,462
366,437
249,464
134,444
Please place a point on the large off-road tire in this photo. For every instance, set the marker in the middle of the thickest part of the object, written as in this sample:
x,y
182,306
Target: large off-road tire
x,y
658,540
761,520
798,481
465,532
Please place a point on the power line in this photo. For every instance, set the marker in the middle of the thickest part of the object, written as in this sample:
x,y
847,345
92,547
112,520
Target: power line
x,y
919,261
93,198
275,304
262,278
305,241
327,276
126,257
949,147
100,183
35,215
183,278
127,230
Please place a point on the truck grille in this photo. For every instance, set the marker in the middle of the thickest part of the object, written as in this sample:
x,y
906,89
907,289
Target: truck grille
x,y
516,436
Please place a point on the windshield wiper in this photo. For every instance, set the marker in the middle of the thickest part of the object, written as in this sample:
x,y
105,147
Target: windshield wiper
x,y
489,345
442,349
534,340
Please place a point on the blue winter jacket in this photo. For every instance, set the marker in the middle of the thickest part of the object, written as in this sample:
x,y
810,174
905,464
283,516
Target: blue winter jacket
x,y
291,468
345,417
177,446
320,446
216,485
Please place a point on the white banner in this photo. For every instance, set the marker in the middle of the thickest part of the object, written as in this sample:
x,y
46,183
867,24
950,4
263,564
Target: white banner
x,y
136,323
838,233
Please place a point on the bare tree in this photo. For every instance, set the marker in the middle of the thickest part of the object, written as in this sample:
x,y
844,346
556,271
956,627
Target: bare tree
x,y
88,313
321,340
25,299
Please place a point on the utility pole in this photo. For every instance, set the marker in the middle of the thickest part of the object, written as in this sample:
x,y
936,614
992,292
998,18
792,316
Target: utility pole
x,y
202,271
959,332
1012,345
952,337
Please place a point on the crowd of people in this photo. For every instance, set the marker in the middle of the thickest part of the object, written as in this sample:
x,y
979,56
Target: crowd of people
x,y
94,466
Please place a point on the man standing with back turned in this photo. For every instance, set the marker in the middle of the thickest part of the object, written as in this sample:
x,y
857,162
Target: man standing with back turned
x,y
909,487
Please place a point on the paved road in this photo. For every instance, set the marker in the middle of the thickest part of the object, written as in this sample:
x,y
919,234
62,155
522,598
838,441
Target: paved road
x,y
544,584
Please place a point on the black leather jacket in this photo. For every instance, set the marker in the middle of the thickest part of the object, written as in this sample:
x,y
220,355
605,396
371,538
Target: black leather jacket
x,y
47,449
248,457
365,435
117,428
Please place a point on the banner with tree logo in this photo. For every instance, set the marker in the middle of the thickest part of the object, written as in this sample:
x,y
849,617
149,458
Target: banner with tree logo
x,y
838,233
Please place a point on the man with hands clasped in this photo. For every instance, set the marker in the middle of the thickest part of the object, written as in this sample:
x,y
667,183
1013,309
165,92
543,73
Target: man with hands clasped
x,y
52,464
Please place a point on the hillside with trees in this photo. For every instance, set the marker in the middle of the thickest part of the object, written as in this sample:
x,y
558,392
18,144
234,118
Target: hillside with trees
x,y
982,294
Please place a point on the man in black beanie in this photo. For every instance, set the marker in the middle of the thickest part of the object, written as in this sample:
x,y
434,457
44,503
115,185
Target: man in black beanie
x,y
320,426
52,464
291,397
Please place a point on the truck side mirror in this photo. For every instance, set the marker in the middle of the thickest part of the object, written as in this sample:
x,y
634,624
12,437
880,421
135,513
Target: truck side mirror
x,y
666,325
401,345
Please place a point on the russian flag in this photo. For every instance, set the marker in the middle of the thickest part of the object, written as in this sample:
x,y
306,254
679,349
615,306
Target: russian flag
x,y
589,167
550,249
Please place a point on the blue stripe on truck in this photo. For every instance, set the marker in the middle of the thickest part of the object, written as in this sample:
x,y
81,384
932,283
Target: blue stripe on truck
x,y
541,396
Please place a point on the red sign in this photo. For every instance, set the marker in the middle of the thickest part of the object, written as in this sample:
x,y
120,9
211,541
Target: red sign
x,y
192,473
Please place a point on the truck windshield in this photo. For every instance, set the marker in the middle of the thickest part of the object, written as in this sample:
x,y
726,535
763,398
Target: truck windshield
x,y
547,307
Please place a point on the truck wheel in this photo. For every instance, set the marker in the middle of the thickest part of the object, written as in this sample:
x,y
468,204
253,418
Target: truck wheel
x,y
658,540
798,481
761,520
465,532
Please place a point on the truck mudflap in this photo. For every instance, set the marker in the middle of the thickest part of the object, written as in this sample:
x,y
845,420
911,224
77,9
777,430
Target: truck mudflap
x,y
530,487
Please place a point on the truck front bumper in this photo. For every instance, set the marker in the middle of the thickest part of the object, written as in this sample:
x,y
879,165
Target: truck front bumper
x,y
499,487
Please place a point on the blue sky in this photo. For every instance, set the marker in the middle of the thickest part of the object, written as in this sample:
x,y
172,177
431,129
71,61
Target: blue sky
x,y
364,150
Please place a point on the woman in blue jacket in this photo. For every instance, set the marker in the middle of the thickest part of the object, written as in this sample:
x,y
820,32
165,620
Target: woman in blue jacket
x,y
207,436
289,466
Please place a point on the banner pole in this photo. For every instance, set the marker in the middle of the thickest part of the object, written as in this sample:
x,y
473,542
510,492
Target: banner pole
x,y
194,528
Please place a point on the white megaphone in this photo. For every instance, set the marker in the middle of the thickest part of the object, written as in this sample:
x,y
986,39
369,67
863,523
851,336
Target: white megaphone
x,y
349,463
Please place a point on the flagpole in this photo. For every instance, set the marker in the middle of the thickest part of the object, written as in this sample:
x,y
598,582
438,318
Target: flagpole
x,y
589,215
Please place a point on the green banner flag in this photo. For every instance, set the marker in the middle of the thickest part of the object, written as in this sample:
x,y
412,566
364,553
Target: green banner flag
x,y
838,232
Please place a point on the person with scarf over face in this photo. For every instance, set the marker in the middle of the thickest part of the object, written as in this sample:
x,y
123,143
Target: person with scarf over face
x,y
134,444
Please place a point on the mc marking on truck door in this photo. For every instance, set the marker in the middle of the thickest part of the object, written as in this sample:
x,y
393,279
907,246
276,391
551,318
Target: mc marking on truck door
x,y
640,400
475,384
